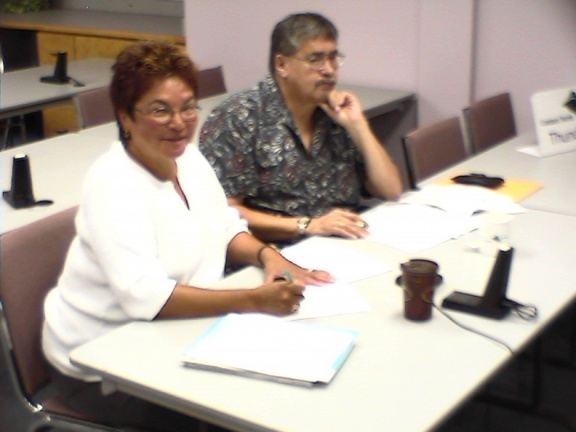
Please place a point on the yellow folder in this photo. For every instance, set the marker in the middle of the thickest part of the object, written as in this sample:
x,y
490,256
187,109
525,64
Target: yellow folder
x,y
516,188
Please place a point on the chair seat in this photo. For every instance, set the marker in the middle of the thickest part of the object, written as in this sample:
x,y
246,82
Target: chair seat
x,y
94,107
490,121
57,405
211,82
433,148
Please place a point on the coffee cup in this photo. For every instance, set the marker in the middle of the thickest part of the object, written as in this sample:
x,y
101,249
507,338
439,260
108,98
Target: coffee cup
x,y
419,280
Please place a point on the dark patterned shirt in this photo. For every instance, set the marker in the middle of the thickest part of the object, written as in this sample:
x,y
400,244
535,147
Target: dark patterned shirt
x,y
254,146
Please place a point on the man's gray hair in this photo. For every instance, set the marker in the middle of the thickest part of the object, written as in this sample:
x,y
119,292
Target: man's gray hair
x,y
292,31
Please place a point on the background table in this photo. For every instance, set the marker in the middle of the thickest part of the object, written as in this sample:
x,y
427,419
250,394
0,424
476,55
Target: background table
x,y
22,91
401,376
58,166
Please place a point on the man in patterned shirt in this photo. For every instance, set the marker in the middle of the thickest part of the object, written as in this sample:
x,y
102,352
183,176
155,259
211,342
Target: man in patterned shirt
x,y
294,154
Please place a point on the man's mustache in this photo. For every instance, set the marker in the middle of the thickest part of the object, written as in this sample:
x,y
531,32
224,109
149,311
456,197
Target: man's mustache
x,y
331,82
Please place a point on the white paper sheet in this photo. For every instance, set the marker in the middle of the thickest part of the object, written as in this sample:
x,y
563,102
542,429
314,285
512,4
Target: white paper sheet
x,y
412,228
327,300
346,264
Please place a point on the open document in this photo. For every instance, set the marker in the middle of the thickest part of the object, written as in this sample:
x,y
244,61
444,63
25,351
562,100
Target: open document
x,y
463,200
425,218
268,347
414,227
345,263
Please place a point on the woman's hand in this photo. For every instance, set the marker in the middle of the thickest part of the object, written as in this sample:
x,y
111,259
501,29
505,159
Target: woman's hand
x,y
280,297
278,267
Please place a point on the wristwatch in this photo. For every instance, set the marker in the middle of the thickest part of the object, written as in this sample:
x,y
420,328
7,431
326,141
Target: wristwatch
x,y
302,224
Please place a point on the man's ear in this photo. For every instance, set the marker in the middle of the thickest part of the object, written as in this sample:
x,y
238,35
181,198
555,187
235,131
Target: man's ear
x,y
280,65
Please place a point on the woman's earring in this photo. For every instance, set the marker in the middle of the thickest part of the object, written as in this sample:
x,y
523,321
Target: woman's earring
x,y
126,134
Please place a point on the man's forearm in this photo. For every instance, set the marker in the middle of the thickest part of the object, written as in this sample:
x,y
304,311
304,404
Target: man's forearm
x,y
383,177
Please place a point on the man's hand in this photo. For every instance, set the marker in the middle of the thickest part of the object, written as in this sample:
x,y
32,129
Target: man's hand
x,y
344,108
383,177
339,222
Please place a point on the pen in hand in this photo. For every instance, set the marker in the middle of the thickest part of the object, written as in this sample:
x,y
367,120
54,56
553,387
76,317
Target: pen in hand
x,y
288,276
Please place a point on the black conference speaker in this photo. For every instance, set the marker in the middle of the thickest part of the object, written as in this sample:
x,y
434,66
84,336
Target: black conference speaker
x,y
60,70
493,304
20,194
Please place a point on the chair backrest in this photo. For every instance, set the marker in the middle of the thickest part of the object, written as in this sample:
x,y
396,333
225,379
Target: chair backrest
x,y
32,259
490,121
211,82
94,107
432,148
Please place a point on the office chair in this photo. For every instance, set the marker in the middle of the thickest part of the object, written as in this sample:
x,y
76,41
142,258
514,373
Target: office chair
x,y
432,148
8,127
32,258
10,123
490,121
94,107
211,82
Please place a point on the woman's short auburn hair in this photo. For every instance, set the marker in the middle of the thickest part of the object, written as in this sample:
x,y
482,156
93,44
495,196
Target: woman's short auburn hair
x,y
141,65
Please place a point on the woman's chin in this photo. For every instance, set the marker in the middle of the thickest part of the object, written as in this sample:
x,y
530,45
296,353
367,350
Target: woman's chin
x,y
177,148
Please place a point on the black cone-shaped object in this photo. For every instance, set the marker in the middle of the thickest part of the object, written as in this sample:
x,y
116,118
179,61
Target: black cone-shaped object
x,y
495,293
21,194
493,304
60,70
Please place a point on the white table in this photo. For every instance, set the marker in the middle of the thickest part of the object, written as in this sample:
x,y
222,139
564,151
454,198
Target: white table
x,y
555,172
22,91
57,166
401,376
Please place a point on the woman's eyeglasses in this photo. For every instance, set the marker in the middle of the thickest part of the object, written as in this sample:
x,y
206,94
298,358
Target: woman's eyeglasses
x,y
164,115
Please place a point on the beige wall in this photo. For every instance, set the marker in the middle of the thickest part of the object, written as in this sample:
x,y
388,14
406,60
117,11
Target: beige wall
x,y
447,51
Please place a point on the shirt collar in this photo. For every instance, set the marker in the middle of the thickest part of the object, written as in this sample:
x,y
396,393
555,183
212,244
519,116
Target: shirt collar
x,y
274,103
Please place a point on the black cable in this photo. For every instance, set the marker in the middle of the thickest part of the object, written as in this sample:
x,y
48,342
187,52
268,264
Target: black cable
x,y
470,329
526,312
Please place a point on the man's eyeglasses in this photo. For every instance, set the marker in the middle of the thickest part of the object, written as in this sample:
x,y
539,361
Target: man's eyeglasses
x,y
317,62
164,115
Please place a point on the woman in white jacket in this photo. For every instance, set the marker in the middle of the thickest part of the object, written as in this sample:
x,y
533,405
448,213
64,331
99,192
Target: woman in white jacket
x,y
154,232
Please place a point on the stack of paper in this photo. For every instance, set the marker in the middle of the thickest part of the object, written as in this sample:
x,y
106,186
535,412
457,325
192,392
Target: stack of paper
x,y
437,213
413,228
268,347
462,200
